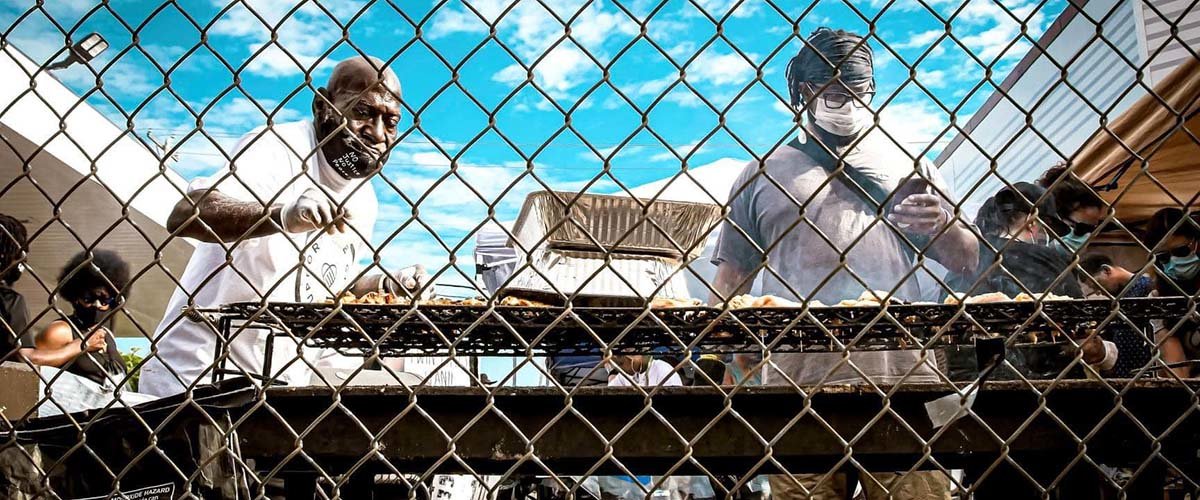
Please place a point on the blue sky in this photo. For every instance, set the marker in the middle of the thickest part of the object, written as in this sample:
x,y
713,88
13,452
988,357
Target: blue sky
x,y
470,104
473,117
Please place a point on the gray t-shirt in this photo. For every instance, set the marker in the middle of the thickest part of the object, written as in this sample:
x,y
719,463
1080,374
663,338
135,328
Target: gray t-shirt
x,y
822,241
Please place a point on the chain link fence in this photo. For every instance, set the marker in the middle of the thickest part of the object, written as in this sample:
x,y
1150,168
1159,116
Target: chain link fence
x,y
599,249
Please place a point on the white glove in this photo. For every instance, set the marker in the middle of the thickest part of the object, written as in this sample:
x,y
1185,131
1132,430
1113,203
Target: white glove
x,y
411,281
311,211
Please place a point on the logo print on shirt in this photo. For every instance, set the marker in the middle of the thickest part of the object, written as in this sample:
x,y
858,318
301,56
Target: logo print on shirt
x,y
328,274
328,264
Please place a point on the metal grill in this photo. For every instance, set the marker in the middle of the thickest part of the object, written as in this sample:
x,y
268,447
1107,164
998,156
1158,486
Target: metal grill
x,y
481,168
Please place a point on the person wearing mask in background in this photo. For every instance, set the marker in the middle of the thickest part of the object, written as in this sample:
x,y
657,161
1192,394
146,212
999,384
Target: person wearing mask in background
x,y
834,247
96,284
745,369
1173,238
1018,254
14,314
321,213
1134,344
1079,209
646,371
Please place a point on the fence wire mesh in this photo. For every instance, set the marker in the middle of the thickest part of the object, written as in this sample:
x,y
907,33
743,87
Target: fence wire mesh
x,y
599,249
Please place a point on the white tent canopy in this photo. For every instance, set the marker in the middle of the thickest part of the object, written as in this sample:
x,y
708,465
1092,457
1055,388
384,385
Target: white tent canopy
x,y
70,175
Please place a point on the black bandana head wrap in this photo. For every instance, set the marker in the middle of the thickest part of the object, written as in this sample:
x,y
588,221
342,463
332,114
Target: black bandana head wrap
x,y
830,54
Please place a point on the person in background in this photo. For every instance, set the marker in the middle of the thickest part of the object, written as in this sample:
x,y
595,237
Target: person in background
x,y
745,368
646,371
95,283
1018,254
1104,278
810,211
1173,237
15,333
643,370
1079,209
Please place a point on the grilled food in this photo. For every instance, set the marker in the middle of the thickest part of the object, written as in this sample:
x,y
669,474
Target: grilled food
x,y
665,303
386,298
1025,297
989,298
748,301
519,302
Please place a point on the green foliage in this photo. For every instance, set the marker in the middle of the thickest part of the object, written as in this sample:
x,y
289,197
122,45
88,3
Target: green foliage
x,y
132,358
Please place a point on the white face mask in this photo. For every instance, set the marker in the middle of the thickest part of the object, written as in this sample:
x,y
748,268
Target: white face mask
x,y
846,122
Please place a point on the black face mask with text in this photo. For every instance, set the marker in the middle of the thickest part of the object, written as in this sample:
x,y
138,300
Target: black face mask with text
x,y
345,153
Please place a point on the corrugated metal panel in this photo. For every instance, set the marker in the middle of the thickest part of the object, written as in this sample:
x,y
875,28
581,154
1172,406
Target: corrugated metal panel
x,y
1167,51
1062,118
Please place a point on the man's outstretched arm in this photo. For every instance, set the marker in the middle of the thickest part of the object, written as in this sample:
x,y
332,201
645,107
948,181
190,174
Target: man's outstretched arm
x,y
214,217
730,281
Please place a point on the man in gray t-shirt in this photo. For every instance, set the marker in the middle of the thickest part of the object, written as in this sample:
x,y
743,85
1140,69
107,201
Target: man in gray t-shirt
x,y
816,237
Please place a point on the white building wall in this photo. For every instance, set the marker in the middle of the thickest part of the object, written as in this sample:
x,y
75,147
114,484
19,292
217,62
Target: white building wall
x,y
1166,51
1043,118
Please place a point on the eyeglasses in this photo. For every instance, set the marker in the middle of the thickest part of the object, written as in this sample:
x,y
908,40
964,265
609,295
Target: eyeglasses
x,y
100,299
836,99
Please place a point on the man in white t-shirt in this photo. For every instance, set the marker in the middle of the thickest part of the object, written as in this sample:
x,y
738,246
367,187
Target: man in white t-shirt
x,y
289,219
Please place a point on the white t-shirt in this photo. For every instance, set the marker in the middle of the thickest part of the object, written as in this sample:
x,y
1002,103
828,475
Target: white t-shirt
x,y
659,373
271,166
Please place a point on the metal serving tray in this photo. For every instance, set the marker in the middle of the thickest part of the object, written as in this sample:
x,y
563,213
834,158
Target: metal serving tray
x,y
397,330
400,330
592,279
618,224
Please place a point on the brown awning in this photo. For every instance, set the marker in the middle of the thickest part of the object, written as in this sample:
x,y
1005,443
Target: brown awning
x,y
1156,139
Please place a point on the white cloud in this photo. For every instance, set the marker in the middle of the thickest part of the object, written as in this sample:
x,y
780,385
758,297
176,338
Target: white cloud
x,y
933,79
558,72
239,115
65,12
663,30
684,98
202,154
922,40
448,22
1005,22
783,108
304,33
559,63
653,87
719,8
682,49
682,151
913,124
721,69
123,77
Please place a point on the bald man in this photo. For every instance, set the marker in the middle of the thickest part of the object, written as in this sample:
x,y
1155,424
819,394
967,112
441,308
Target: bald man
x,y
292,213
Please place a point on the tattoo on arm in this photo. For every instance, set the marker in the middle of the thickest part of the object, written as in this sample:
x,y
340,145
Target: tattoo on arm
x,y
213,217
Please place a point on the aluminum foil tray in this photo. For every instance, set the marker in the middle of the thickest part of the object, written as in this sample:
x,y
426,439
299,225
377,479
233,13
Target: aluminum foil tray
x,y
589,279
606,223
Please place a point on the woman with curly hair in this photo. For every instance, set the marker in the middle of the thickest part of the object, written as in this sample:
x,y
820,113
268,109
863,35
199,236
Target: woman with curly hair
x,y
95,283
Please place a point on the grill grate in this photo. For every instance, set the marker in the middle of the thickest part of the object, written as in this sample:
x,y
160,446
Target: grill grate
x,y
404,330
